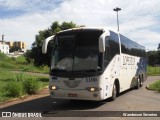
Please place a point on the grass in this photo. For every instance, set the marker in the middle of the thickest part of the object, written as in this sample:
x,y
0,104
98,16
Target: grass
x,y
153,71
20,63
155,86
16,85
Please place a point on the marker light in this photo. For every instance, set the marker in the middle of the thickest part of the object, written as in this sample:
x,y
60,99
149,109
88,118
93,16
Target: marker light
x,y
93,89
53,87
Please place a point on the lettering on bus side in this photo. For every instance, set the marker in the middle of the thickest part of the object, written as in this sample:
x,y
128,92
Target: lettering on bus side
x,y
91,79
128,60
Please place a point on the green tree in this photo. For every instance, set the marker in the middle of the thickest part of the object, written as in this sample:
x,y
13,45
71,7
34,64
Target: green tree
x,y
152,58
159,53
15,48
35,54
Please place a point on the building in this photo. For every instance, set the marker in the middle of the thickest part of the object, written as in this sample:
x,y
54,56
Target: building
x,y
10,44
19,44
4,48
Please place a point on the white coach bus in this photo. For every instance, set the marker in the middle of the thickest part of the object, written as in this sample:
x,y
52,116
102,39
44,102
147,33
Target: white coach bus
x,y
94,64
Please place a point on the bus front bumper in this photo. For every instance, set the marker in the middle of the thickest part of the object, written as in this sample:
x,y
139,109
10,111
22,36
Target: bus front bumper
x,y
77,94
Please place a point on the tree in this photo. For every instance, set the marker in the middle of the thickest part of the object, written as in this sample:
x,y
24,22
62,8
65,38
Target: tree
x,y
14,48
158,47
35,54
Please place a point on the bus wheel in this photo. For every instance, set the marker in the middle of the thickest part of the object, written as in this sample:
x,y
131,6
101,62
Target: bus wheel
x,y
141,83
138,83
114,92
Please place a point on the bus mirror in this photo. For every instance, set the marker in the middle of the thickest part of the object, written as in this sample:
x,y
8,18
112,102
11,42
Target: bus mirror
x,y
102,43
45,44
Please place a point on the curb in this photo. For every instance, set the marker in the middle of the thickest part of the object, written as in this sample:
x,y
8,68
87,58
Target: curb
x,y
147,87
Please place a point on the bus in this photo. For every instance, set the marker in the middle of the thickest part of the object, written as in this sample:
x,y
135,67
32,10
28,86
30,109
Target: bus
x,y
94,64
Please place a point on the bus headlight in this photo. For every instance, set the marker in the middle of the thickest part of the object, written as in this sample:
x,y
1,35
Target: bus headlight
x,y
93,89
53,87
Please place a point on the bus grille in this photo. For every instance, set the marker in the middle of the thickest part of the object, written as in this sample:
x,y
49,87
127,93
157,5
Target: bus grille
x,y
72,83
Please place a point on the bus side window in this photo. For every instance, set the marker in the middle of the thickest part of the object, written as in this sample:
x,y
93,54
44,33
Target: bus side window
x,y
107,52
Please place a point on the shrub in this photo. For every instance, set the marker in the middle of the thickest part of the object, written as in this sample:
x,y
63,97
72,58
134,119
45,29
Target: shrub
x,y
2,56
19,77
13,89
31,85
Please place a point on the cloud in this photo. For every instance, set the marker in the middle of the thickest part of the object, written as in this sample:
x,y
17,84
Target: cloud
x,y
29,5
138,19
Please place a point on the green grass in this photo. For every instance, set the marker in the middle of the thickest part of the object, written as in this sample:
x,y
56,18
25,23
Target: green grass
x,y
20,63
155,86
16,85
153,71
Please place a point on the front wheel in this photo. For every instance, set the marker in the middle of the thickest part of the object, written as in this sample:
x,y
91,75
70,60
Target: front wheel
x,y
114,92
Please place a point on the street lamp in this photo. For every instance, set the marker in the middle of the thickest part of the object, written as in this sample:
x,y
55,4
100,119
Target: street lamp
x,y
117,9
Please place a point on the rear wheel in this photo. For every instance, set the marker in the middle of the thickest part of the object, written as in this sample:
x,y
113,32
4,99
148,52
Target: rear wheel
x,y
114,92
141,83
138,83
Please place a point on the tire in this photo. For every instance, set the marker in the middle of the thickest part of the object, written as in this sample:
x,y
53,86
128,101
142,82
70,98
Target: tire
x,y
138,84
141,83
114,92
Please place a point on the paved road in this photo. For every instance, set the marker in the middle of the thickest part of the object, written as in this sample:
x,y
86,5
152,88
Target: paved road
x,y
131,100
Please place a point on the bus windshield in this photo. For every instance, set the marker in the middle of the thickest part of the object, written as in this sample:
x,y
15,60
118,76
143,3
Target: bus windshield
x,y
77,51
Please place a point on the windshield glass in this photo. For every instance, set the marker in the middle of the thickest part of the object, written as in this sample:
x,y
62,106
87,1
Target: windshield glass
x,y
77,51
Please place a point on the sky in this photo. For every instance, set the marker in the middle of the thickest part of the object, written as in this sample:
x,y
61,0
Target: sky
x,y
21,20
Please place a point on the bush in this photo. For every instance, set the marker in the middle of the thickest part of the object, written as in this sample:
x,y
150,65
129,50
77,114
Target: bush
x,y
13,89
31,85
19,77
19,85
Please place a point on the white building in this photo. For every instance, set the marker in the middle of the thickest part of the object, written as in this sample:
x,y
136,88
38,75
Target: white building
x,y
4,48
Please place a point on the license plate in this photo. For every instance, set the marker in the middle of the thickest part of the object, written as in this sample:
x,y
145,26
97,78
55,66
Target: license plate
x,y
72,95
